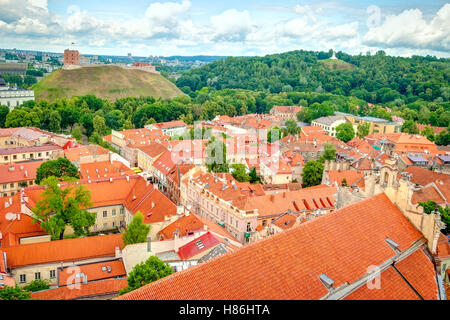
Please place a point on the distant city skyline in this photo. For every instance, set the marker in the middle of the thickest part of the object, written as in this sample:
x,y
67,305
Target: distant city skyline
x,y
236,28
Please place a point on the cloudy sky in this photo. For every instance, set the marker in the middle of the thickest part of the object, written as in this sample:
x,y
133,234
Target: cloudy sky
x,y
231,27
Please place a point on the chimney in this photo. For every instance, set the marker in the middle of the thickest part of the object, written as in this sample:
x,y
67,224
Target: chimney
x,y
205,227
149,244
18,216
175,241
84,278
117,252
128,178
272,197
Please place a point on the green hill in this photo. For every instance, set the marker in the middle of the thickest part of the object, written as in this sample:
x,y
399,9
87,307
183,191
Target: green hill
x,y
108,82
336,64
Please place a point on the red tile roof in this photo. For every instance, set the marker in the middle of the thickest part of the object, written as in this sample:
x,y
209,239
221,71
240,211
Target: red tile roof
x,y
63,250
184,225
12,229
74,154
198,245
170,124
342,245
423,177
351,176
43,148
19,171
91,289
93,272
134,193
153,149
104,169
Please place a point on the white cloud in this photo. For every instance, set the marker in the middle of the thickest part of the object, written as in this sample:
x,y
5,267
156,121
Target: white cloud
x,y
410,30
231,25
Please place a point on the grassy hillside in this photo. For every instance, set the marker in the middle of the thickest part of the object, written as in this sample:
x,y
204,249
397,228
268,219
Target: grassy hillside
x,y
108,82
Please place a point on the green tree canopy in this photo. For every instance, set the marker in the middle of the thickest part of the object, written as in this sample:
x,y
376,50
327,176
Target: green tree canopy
x,y
37,285
216,160
240,172
292,127
59,168
409,126
274,134
312,173
14,293
137,231
60,207
329,152
151,270
345,132
363,129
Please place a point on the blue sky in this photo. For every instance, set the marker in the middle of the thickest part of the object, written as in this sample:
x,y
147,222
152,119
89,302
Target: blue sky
x,y
254,27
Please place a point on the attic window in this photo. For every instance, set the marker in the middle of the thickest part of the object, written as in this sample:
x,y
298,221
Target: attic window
x,y
199,244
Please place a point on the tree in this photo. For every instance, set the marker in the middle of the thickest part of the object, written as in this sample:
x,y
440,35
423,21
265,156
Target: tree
x,y
29,80
240,173
59,168
329,152
14,293
100,125
77,133
4,110
128,124
292,127
409,126
428,133
428,206
137,230
87,121
253,176
312,173
216,160
363,129
445,218
54,121
345,132
443,138
146,272
60,207
274,134
37,285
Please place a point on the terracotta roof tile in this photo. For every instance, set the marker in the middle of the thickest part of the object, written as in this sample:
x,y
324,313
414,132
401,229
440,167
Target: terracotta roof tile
x,y
341,244
91,289
63,250
93,272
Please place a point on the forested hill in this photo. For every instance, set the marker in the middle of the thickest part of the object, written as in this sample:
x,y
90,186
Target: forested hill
x,y
373,78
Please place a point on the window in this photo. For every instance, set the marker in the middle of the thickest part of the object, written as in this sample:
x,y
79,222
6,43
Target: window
x,y
105,225
114,224
52,274
37,276
248,227
4,186
14,157
113,212
6,157
23,278
11,185
47,153
31,182
39,154
23,156
105,214
122,211
237,223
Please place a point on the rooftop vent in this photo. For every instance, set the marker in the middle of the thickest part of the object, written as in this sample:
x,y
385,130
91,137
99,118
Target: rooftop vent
x,y
393,245
326,281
